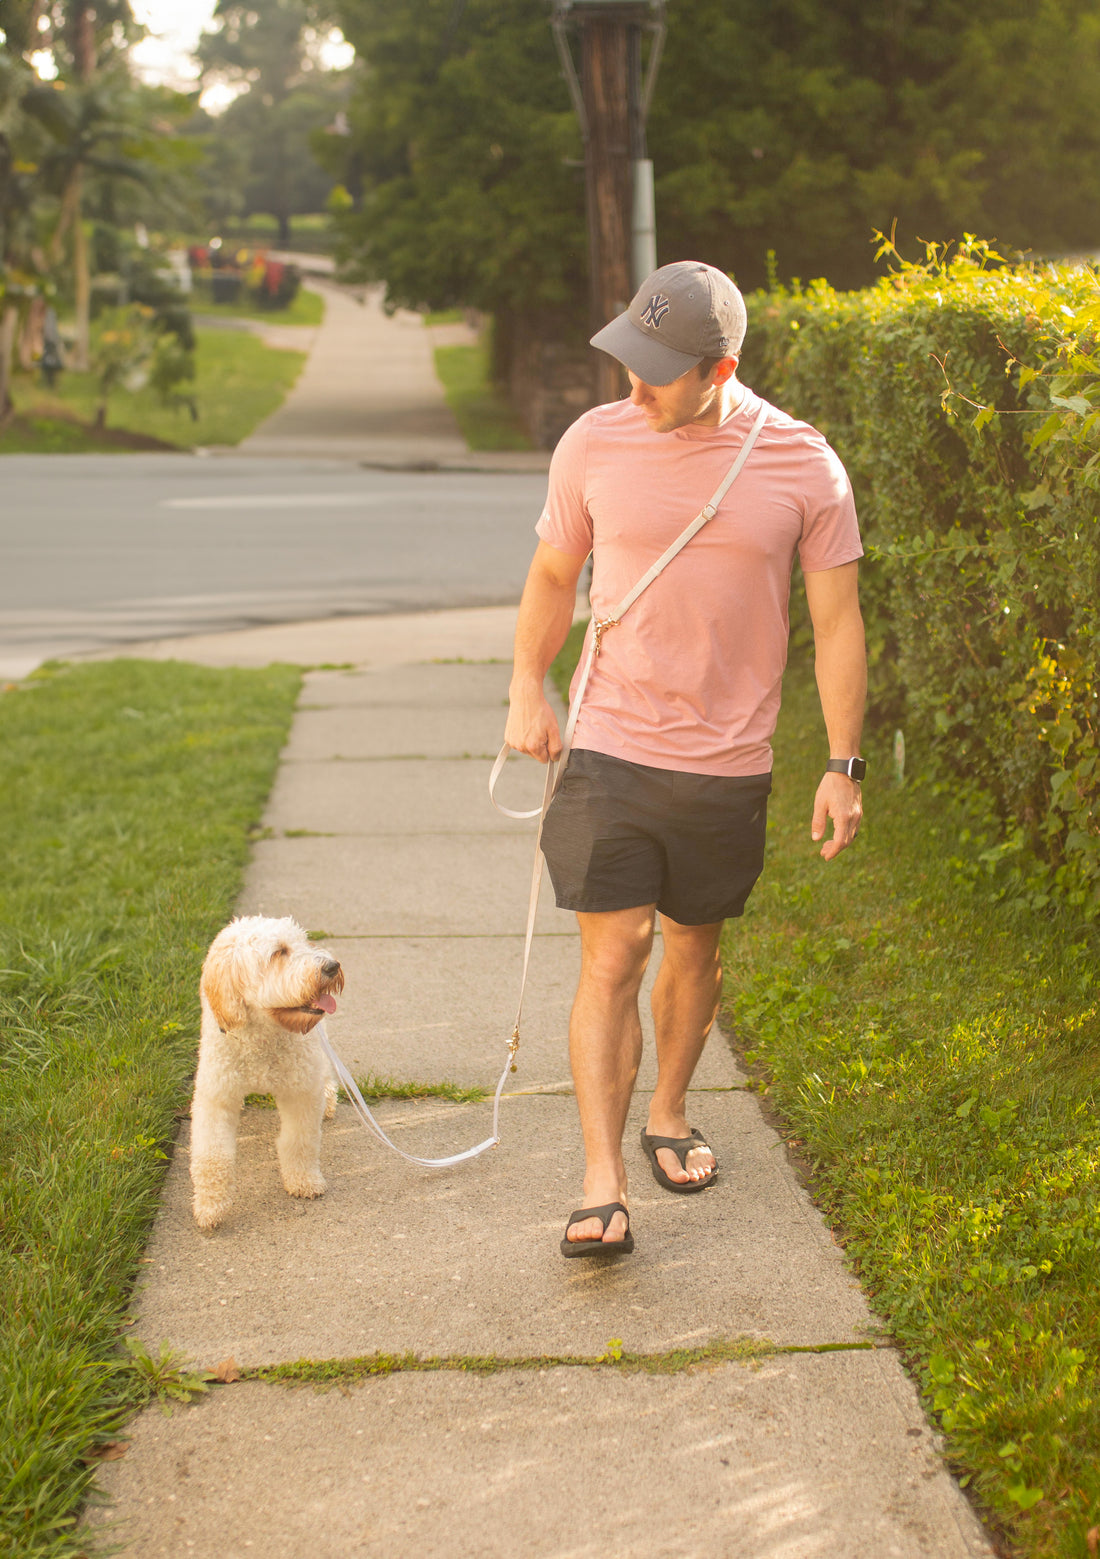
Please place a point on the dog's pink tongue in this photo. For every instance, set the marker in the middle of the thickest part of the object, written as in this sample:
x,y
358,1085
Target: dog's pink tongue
x,y
326,1003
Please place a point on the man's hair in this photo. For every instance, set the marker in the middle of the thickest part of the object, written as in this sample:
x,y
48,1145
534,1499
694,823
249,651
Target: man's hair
x,y
707,366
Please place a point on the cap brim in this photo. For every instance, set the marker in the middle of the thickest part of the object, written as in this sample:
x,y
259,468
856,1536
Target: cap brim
x,y
651,361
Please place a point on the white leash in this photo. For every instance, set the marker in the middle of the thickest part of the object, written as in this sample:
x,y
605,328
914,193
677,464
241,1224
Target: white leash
x,y
362,1109
553,772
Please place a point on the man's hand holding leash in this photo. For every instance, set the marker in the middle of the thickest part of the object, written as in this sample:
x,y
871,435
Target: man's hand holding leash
x,y
532,726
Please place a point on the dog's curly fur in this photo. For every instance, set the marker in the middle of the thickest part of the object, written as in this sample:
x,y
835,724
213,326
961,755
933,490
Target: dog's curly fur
x,y
264,988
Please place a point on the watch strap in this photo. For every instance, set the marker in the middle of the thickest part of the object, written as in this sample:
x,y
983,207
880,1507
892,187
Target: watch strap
x,y
855,768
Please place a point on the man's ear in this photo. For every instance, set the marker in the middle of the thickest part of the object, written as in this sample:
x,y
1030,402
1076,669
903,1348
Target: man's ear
x,y
724,370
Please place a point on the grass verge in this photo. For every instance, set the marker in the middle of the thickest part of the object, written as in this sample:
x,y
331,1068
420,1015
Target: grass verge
x,y
932,1052
307,308
485,417
376,1088
129,790
238,383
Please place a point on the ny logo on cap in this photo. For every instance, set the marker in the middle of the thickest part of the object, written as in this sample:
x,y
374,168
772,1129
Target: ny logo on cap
x,y
655,311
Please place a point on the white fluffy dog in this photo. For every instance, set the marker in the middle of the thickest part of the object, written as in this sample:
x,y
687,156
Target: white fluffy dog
x,y
264,987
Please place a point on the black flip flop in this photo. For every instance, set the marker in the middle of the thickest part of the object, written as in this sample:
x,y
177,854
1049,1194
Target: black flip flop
x,y
600,1247
681,1146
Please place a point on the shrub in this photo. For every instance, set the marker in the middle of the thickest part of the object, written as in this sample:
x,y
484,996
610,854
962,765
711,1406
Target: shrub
x,y
964,397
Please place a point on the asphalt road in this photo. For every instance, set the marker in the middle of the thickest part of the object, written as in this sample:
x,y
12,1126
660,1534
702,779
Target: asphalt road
x,y
99,550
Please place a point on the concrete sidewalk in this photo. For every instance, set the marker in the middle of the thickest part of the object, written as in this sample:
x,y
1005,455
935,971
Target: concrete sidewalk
x,y
369,393
381,835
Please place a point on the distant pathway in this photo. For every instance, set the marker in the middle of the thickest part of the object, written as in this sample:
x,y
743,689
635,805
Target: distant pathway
x,y
368,392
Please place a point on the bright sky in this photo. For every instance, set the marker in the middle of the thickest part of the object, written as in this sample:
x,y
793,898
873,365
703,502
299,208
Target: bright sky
x,y
174,28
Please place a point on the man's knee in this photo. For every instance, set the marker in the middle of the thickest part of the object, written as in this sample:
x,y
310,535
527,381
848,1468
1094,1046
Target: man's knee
x,y
615,947
692,952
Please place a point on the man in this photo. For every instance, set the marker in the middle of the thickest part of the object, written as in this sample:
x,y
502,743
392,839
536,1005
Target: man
x,y
663,804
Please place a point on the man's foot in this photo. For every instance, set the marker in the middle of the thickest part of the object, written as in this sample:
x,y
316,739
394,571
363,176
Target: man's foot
x,y
611,1236
602,1191
680,1158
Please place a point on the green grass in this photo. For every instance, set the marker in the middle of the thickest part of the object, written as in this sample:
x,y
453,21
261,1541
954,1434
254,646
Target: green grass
x,y
933,1052
484,416
238,383
307,308
129,788
376,1088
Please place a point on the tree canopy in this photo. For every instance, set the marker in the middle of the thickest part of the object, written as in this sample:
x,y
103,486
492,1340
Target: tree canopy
x,y
788,126
259,151
467,151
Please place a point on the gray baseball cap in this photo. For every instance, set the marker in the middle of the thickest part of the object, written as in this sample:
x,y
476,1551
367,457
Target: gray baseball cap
x,y
681,314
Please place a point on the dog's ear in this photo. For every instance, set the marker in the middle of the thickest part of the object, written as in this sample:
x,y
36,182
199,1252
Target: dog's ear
x,y
220,986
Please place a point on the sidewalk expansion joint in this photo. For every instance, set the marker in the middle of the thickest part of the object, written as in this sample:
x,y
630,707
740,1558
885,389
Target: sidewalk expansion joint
x,y
750,1351
400,757
380,833
437,936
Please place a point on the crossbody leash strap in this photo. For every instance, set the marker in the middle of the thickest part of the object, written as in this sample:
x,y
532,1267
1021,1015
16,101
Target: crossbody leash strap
x,y
556,769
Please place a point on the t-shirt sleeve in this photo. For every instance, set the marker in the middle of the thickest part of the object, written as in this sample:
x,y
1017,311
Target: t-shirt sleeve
x,y
830,530
565,522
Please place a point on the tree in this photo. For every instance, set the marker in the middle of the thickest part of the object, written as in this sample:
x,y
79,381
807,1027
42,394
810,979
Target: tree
x,y
466,148
801,128
269,50
793,126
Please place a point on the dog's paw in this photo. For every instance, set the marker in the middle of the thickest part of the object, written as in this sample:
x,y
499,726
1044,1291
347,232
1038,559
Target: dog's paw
x,y
305,1185
208,1213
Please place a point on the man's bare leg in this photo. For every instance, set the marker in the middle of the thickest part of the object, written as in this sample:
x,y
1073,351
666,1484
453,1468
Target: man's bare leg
x,y
685,1005
605,1046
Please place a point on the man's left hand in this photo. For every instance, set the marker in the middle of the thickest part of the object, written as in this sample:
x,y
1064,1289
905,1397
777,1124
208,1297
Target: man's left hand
x,y
838,797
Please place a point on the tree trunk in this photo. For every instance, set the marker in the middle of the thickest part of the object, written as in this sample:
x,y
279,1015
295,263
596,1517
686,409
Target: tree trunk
x,y
8,318
606,81
82,282
30,337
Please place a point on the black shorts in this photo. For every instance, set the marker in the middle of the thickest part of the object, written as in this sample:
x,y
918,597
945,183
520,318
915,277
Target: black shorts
x,y
618,835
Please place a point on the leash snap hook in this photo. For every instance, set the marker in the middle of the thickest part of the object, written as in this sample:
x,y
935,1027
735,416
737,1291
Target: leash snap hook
x,y
599,628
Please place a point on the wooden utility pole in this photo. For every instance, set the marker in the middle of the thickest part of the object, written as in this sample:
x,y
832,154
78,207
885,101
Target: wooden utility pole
x,y
81,22
605,81
611,101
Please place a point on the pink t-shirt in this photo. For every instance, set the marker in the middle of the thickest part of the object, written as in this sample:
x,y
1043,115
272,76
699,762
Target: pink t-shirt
x,y
691,677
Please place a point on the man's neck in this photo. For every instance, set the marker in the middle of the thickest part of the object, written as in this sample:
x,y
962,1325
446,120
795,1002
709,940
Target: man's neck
x,y
727,398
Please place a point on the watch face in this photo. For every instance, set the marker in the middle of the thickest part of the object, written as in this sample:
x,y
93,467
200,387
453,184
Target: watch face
x,y
858,768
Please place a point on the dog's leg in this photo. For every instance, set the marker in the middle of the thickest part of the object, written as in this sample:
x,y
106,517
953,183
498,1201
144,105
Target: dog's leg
x,y
299,1143
213,1154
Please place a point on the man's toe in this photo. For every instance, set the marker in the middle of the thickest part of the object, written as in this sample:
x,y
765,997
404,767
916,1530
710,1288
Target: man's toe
x,y
616,1229
672,1165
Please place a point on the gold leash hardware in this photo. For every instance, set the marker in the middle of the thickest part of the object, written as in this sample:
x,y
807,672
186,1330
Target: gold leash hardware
x,y
513,1046
600,627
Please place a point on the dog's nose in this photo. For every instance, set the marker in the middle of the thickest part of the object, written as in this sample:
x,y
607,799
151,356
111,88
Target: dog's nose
x,y
330,968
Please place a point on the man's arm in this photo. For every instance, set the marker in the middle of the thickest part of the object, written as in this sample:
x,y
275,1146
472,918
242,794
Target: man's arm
x,y
545,616
841,667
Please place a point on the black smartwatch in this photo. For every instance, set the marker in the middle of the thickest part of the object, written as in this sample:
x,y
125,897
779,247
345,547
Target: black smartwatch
x,y
855,768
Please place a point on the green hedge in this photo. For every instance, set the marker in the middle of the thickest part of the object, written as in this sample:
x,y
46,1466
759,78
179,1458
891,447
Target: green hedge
x,y
964,398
